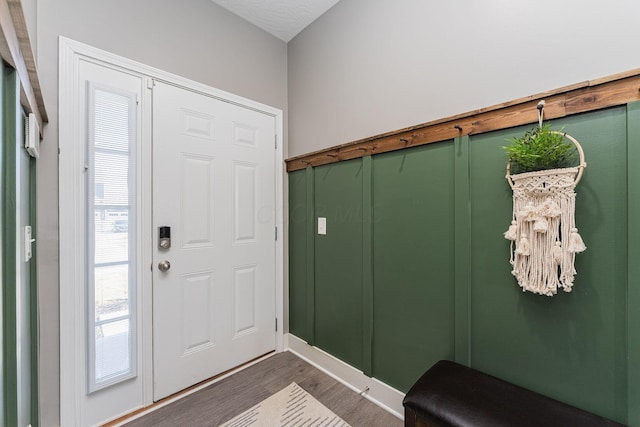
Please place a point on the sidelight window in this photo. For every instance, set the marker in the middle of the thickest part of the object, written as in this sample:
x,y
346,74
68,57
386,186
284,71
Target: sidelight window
x,y
111,227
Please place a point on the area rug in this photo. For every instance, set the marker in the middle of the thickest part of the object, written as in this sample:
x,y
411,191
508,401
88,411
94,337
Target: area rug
x,y
291,406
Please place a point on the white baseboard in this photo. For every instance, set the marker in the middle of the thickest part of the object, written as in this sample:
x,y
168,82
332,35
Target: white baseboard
x,y
383,395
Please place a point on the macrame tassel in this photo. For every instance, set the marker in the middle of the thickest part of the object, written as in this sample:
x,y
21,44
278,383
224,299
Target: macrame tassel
x,y
528,213
523,247
510,234
576,244
541,225
549,209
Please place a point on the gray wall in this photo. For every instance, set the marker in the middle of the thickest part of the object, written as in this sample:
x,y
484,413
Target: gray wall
x,y
371,66
195,39
365,67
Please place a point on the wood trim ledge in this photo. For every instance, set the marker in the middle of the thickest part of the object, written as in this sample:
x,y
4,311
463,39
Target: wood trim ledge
x,y
15,49
617,89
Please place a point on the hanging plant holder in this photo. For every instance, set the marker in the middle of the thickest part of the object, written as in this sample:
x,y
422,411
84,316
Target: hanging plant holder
x,y
543,234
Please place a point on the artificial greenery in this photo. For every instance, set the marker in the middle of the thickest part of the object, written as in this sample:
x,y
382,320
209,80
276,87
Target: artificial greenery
x,y
540,149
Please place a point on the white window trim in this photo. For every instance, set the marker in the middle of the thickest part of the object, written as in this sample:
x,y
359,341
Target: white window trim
x,y
72,211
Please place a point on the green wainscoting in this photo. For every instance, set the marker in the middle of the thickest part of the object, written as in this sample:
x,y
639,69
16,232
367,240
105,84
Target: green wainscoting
x,y
414,267
633,264
412,262
298,255
3,184
338,261
10,261
571,346
18,301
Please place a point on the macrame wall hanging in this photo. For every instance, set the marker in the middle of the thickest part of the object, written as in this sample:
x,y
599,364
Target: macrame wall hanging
x,y
543,234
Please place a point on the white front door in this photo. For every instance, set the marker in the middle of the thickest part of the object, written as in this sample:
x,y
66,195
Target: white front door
x,y
214,187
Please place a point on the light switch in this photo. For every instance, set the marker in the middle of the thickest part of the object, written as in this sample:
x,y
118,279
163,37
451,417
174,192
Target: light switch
x,y
322,225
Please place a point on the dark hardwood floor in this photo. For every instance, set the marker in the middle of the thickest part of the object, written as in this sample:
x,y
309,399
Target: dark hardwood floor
x,y
231,396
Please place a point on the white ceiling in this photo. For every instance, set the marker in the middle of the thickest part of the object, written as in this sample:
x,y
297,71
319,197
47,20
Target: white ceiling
x,y
282,18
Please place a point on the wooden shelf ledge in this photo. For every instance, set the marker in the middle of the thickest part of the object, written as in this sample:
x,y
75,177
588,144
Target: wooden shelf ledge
x,y
15,49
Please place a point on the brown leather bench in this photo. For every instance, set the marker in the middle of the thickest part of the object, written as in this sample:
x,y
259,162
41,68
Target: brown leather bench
x,y
450,394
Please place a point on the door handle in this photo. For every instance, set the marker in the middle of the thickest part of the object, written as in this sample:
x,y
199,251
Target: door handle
x,y
164,265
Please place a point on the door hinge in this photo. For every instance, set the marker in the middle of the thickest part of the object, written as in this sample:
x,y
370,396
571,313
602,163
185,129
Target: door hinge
x,y
276,233
150,83
276,324
275,137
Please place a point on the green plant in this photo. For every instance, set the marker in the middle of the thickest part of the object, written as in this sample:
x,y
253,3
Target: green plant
x,y
540,149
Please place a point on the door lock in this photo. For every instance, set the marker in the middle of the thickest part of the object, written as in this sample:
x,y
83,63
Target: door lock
x,y
164,237
164,265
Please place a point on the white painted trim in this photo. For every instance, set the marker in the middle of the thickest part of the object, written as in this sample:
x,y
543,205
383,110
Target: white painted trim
x,y
71,215
70,258
145,304
383,395
279,220
90,52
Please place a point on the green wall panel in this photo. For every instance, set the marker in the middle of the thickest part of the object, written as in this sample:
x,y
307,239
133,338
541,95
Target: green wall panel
x,y
572,346
338,261
413,230
367,265
633,255
3,190
10,149
462,249
414,267
297,254
33,274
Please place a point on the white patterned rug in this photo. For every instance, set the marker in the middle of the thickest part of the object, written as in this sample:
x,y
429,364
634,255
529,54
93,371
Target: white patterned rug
x,y
291,406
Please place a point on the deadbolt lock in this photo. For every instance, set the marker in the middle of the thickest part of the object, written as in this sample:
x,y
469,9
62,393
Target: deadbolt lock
x,y
164,237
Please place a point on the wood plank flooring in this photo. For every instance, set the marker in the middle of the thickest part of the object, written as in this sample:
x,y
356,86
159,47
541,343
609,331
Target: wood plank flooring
x,y
224,400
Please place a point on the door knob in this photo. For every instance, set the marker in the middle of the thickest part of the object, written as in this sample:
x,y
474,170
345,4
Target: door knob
x,y
164,265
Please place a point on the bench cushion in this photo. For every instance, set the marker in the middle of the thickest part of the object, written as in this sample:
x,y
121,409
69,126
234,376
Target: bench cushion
x,y
450,394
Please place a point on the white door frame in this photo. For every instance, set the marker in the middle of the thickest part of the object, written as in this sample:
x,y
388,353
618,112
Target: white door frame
x,y
72,370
